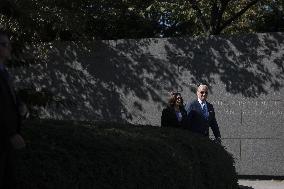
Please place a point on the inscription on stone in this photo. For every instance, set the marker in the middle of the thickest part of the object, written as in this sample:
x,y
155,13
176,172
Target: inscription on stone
x,y
264,108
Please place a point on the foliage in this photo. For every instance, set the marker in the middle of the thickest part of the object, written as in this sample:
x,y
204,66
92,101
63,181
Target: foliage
x,y
265,16
270,17
34,20
63,20
36,99
65,154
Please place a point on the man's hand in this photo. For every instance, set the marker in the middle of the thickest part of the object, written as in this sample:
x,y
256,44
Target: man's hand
x,y
218,140
17,142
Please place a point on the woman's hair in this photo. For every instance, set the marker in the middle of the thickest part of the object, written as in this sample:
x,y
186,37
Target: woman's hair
x,y
173,98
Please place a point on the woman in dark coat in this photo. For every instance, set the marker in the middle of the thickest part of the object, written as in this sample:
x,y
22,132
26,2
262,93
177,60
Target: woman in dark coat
x,y
174,115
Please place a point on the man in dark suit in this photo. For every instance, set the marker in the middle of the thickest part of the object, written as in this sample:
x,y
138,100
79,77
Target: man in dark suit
x,y
201,115
10,138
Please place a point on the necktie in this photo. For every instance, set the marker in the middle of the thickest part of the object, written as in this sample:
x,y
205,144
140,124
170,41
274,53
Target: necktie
x,y
204,112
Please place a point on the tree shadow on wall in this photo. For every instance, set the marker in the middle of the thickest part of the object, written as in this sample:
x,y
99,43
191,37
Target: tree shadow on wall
x,y
240,62
126,73
125,79
99,78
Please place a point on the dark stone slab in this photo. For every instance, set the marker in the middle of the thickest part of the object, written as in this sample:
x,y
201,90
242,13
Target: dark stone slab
x,y
219,91
228,117
262,119
233,147
262,157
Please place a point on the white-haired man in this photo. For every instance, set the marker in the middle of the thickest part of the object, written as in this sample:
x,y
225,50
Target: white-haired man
x,y
201,114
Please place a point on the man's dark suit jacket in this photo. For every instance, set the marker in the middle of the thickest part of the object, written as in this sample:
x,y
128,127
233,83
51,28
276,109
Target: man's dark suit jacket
x,y
169,118
198,123
9,112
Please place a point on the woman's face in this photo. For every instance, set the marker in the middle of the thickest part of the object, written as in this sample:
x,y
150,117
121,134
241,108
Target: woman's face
x,y
178,100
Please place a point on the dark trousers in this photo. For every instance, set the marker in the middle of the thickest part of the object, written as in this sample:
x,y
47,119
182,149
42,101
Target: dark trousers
x,y
7,169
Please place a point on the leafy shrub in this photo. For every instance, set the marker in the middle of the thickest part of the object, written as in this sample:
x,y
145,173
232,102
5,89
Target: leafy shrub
x,y
65,154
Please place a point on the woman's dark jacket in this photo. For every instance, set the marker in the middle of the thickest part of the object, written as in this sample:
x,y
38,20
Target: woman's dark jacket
x,y
169,118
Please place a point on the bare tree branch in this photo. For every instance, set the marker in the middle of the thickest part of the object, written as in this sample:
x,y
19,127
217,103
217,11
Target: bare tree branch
x,y
224,5
200,16
214,15
237,15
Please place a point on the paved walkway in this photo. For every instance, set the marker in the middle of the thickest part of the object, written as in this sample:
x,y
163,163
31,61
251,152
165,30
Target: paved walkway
x,y
261,184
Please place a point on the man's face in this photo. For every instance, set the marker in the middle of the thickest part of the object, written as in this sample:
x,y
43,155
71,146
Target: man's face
x,y
5,47
202,93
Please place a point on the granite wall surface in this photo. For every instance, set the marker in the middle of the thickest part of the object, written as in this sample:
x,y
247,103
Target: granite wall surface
x,y
129,80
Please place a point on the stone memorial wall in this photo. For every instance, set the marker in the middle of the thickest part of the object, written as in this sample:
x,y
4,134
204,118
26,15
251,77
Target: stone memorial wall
x,y
129,80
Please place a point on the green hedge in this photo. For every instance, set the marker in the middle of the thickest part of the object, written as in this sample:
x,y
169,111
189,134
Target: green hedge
x,y
73,155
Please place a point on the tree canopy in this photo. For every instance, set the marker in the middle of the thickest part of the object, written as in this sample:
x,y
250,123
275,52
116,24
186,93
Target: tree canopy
x,y
35,20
